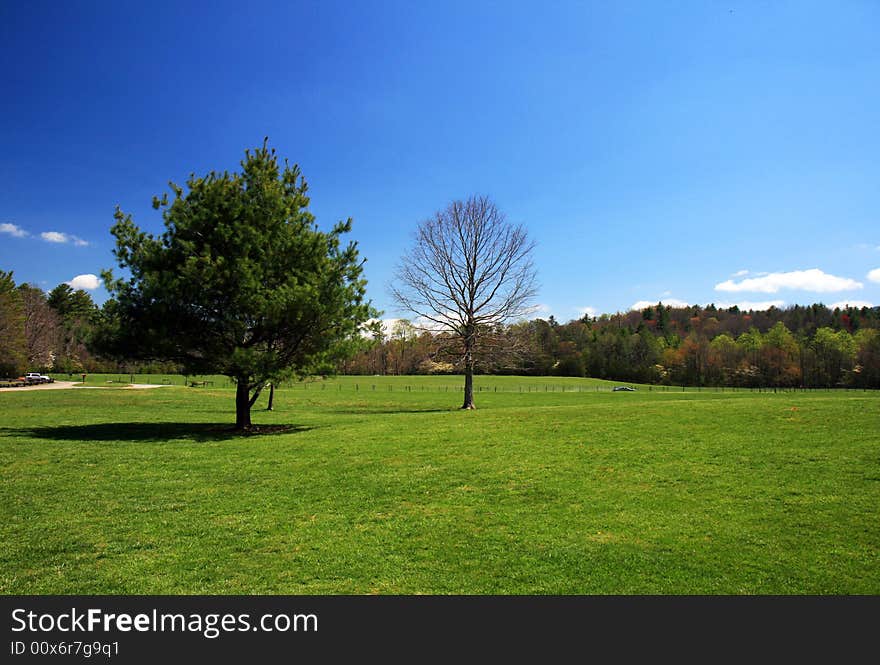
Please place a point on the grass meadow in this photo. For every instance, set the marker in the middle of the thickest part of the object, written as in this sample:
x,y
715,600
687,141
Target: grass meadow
x,y
382,486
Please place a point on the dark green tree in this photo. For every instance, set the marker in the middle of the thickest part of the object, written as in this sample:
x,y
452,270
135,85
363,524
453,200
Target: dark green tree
x,y
868,357
662,318
242,282
78,314
72,304
13,346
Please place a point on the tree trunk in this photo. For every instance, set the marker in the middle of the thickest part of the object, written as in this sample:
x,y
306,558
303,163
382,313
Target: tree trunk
x,y
242,404
468,378
271,396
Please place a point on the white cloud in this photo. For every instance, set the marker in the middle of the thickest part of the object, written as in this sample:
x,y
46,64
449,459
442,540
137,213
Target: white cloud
x,y
86,282
53,236
675,302
858,304
874,275
421,324
387,326
586,311
740,273
539,311
751,305
58,237
670,302
13,230
806,280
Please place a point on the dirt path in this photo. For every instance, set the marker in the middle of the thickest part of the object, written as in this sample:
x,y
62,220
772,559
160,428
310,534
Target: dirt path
x,y
60,385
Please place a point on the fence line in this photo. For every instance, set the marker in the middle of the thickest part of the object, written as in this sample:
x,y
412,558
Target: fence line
x,y
215,381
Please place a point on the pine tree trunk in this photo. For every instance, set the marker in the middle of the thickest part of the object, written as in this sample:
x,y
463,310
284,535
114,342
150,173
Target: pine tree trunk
x,y
242,404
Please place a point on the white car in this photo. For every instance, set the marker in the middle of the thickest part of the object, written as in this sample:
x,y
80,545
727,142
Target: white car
x,y
36,377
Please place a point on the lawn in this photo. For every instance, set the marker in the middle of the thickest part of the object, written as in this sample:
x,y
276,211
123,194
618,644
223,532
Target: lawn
x,y
382,486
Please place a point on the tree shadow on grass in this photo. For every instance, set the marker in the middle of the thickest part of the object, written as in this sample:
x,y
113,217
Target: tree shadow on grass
x,y
149,432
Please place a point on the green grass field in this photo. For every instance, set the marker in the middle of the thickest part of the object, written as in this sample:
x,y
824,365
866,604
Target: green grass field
x,y
392,489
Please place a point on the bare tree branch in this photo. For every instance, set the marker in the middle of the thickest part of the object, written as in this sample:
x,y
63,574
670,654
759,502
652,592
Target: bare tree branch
x,y
467,273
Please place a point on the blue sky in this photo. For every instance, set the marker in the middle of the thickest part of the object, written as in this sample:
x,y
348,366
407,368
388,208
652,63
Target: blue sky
x,y
692,152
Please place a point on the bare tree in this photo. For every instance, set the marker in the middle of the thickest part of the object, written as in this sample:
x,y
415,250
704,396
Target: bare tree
x,y
42,327
468,273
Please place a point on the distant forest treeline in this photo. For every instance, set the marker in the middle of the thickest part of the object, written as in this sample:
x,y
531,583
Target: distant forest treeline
x,y
811,346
